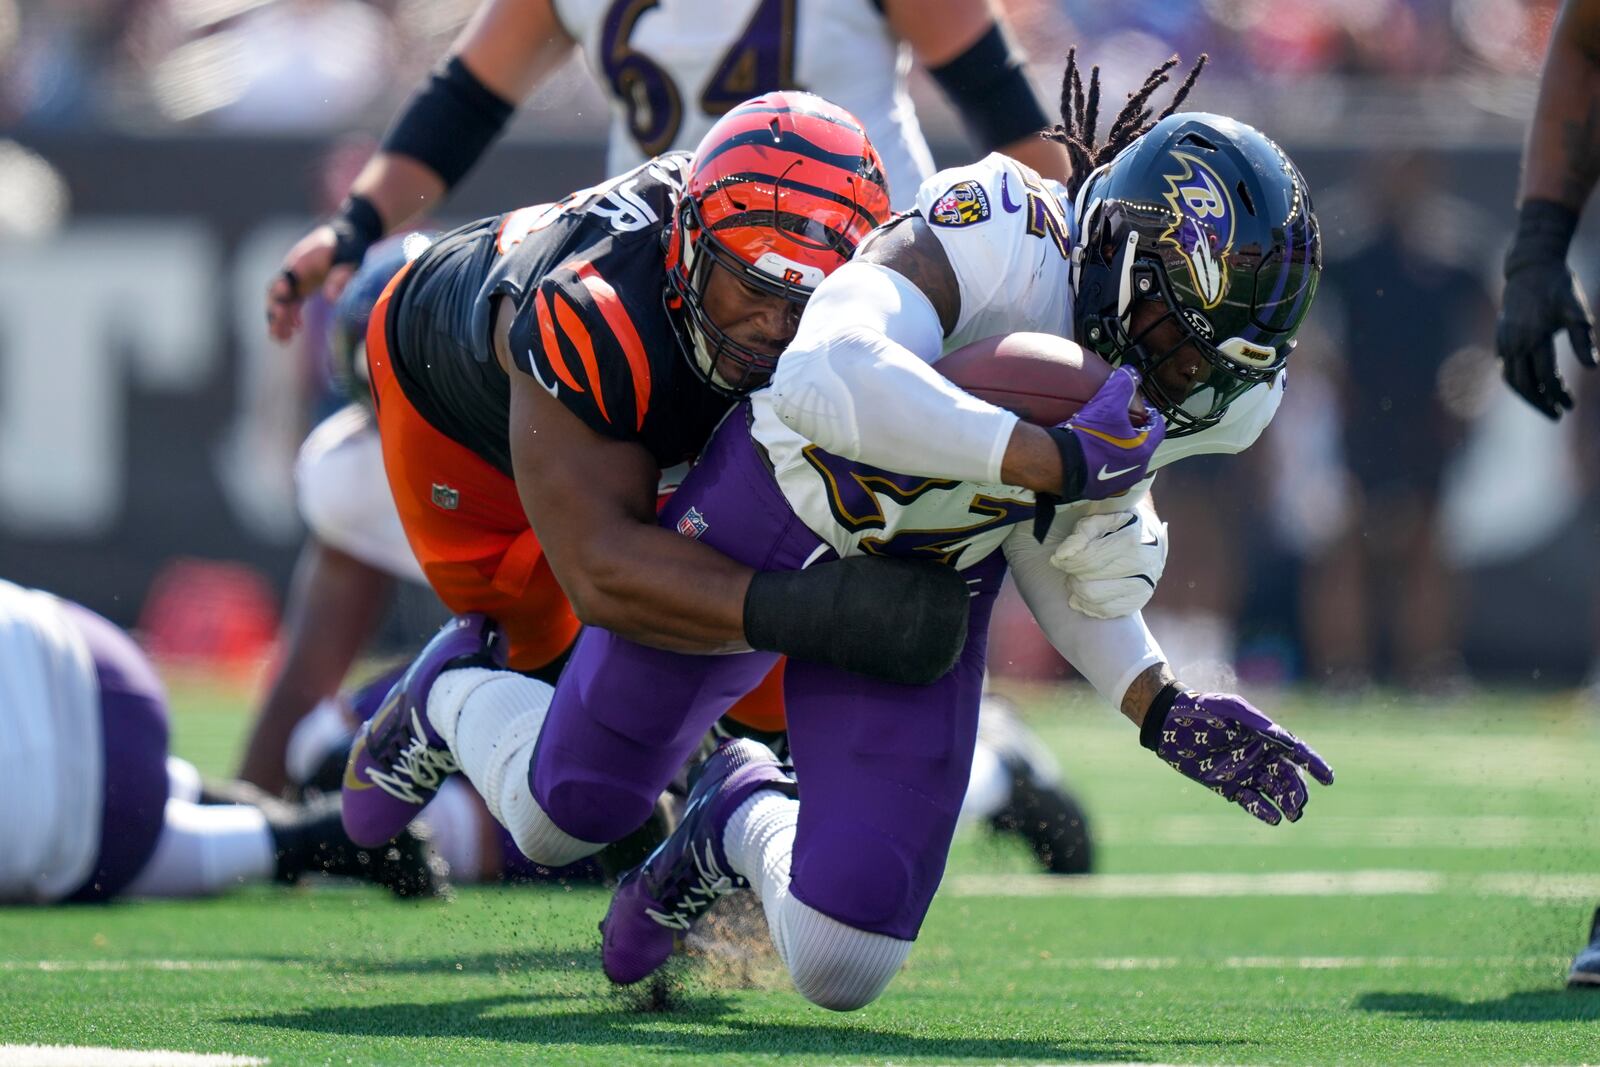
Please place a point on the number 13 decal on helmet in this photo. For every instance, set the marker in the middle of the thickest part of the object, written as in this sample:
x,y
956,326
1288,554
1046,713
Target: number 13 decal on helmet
x,y
760,60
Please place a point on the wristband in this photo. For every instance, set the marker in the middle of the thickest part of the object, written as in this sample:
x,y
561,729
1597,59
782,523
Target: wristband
x,y
357,227
1156,717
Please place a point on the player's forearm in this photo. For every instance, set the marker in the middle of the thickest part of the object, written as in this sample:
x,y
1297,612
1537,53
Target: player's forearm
x,y
1562,162
655,587
400,188
1139,696
1032,460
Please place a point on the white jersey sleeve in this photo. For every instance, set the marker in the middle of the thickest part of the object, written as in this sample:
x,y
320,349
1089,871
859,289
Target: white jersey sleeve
x,y
50,718
1009,241
1109,653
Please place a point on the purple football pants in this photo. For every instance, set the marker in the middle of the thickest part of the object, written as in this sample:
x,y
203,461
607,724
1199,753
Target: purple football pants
x,y
883,767
133,718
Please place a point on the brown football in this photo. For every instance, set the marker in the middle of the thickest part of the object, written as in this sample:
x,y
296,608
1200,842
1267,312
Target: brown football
x,y
1043,378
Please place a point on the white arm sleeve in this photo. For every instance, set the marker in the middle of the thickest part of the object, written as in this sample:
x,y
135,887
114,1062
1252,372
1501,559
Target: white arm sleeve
x,y
1110,653
856,382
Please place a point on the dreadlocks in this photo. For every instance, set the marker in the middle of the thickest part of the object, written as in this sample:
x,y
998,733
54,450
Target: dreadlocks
x,y
1080,114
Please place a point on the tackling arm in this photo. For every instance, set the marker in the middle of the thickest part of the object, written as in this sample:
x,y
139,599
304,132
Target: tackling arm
x,y
592,503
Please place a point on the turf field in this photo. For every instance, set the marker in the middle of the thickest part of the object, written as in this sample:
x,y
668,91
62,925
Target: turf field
x,y
1424,912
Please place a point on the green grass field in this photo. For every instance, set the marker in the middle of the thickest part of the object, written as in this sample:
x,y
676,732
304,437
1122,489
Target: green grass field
x,y
1425,911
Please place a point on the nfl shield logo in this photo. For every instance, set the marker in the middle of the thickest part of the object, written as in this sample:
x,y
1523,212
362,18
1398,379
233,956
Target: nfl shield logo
x,y
446,497
693,524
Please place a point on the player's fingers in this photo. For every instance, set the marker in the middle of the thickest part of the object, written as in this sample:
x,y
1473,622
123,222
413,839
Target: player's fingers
x,y
1548,380
1282,784
1303,755
1519,374
1258,805
1580,330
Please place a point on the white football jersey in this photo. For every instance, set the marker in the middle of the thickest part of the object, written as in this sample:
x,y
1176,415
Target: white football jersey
x,y
1009,236
51,782
673,67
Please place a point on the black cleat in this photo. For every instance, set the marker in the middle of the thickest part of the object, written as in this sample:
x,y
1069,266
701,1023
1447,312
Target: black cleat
x,y
310,839
1040,810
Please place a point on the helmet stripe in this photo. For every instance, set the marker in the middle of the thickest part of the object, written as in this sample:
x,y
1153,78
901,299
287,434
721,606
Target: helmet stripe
x,y
850,163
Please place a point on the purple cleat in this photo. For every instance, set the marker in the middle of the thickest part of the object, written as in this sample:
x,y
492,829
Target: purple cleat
x,y
398,762
661,899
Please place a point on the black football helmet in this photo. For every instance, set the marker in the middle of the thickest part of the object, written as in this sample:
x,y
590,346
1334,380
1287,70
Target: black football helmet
x,y
1210,218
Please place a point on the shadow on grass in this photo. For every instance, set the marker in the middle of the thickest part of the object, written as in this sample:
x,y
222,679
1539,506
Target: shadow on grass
x,y
700,1024
504,962
1532,1006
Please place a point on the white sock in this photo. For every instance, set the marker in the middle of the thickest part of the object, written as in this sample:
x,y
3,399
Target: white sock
x,y
183,780
324,728
204,850
832,964
452,821
988,784
491,720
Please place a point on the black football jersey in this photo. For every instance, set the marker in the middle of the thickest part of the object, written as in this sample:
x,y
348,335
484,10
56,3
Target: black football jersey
x,y
588,277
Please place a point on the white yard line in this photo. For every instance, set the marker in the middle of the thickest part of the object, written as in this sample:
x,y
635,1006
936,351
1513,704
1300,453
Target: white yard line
x,y
1396,831
1370,883
1301,963
86,1056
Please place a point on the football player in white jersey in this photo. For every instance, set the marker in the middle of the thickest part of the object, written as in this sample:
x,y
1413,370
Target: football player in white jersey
x,y
95,806
1188,257
672,68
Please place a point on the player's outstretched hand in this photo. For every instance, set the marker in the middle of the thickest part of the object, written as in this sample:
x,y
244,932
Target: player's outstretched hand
x,y
322,259
1541,299
1115,449
1228,746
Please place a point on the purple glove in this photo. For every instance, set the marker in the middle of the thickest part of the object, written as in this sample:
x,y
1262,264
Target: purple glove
x,y
1229,747
1102,452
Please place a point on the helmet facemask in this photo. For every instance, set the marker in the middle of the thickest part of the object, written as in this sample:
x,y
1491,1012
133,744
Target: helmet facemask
x,y
712,351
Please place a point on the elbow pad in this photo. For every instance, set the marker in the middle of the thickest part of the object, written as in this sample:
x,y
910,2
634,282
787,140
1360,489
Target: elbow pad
x,y
449,123
989,88
897,620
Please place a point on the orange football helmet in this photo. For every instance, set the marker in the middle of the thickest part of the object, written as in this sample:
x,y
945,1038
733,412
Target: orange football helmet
x,y
780,192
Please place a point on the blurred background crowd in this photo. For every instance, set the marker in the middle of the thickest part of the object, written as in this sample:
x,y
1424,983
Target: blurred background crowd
x,y
1406,521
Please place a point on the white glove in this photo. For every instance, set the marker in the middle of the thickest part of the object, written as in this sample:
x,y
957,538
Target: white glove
x,y
1113,562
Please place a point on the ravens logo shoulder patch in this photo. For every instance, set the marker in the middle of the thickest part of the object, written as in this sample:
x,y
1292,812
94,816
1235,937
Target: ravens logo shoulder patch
x,y
963,204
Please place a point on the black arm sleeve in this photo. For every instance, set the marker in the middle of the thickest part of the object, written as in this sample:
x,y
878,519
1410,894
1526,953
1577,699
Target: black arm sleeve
x,y
449,123
987,85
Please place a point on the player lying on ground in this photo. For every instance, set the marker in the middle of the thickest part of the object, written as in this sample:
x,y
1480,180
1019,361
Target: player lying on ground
x,y
96,807
1196,204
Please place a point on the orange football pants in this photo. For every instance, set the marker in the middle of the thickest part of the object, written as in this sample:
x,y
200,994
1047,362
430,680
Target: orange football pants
x,y
466,526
